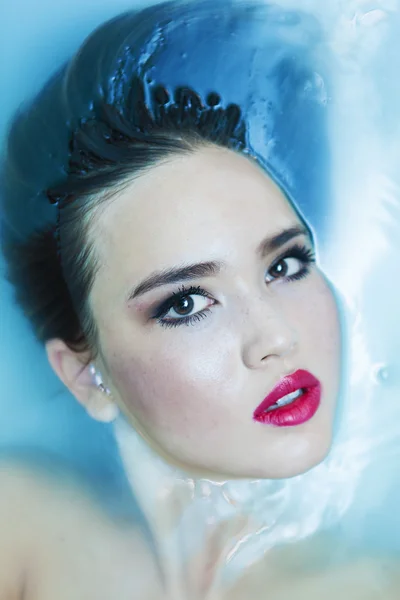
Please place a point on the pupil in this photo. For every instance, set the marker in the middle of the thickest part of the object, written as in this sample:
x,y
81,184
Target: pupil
x,y
184,305
280,268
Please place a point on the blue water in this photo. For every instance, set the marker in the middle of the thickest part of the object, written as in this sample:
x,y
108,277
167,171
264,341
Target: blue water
x,y
39,419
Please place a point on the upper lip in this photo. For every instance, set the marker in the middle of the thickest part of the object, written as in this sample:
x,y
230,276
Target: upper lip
x,y
300,379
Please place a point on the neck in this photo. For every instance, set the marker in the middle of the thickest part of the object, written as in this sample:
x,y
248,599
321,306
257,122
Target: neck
x,y
208,532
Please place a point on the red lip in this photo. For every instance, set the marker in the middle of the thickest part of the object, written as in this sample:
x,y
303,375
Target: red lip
x,y
302,409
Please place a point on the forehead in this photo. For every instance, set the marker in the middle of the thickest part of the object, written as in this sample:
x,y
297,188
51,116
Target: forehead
x,y
195,207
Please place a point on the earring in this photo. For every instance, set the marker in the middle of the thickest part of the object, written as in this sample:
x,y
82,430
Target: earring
x,y
98,380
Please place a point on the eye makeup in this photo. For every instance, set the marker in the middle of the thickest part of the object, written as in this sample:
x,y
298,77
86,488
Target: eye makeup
x,y
179,298
292,265
302,254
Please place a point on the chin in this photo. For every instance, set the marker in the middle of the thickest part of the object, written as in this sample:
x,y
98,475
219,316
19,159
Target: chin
x,y
306,463
294,466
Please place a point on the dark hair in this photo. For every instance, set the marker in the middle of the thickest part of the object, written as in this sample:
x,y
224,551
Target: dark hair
x,y
53,271
127,101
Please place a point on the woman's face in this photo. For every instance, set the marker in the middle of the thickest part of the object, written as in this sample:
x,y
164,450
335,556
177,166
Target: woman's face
x,y
206,298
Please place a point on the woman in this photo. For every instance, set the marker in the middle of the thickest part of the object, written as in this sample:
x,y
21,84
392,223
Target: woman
x,y
156,235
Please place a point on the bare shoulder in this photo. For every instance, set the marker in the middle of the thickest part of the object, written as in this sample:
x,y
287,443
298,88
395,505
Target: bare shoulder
x,y
12,546
59,543
310,570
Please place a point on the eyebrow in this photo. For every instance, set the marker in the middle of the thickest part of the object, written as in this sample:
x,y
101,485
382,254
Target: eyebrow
x,y
270,244
174,275
211,268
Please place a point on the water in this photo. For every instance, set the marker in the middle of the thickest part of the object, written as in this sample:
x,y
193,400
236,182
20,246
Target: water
x,y
358,489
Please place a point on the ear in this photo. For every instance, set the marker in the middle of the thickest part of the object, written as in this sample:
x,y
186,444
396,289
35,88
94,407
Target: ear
x,y
73,368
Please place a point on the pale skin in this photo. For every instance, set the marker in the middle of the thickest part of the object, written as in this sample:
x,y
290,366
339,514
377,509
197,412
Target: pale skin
x,y
62,547
57,544
181,385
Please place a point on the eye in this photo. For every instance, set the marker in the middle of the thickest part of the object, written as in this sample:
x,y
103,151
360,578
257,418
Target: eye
x,y
295,264
185,306
286,267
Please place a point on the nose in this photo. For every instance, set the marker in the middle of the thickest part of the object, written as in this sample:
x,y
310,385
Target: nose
x,y
268,334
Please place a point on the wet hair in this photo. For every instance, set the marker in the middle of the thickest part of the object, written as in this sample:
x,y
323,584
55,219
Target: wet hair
x,y
121,106
54,270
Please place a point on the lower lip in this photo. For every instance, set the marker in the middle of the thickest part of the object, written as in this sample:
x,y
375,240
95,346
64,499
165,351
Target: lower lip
x,y
299,411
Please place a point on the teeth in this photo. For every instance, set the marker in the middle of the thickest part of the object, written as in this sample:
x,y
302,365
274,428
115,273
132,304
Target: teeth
x,y
286,400
289,398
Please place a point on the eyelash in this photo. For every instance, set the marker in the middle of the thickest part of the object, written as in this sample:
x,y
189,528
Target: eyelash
x,y
301,253
183,292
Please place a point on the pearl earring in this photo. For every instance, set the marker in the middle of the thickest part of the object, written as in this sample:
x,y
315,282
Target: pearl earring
x,y
98,380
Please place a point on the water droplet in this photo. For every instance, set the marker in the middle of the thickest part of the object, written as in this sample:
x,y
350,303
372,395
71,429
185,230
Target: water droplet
x,y
380,373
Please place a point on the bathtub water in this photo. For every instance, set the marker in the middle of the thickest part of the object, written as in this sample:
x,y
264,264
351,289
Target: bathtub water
x,y
356,491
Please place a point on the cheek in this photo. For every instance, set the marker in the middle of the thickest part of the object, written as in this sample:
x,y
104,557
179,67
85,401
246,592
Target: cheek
x,y
327,314
186,383
318,323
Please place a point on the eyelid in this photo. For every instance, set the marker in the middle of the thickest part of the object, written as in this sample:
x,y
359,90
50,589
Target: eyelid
x,y
302,253
300,249
163,307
